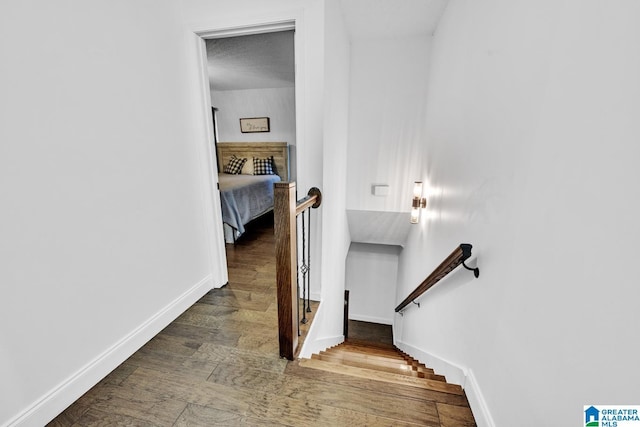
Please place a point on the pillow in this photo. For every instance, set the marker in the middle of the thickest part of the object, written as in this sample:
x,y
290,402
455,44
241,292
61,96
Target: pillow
x,y
247,169
235,165
263,166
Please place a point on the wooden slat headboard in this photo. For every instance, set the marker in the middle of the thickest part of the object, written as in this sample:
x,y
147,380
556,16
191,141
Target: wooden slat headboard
x,y
279,151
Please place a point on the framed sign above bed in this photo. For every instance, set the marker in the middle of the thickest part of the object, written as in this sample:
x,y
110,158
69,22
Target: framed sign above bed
x,y
255,124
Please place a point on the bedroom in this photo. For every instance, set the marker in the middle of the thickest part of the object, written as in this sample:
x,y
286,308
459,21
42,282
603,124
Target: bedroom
x,y
252,76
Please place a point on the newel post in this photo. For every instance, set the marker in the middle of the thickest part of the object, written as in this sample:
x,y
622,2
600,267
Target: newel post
x,y
284,212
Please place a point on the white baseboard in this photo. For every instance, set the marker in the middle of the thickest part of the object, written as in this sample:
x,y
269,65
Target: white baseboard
x,y
455,374
312,344
370,319
59,398
316,346
477,403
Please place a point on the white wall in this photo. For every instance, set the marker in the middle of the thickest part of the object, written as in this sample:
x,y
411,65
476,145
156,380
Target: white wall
x,y
336,119
532,150
277,103
388,99
372,271
103,201
386,120
327,327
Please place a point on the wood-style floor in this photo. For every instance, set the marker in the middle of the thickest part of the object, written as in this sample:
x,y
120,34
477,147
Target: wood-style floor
x,y
371,332
218,364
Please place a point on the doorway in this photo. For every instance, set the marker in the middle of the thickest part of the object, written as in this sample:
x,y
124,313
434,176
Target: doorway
x,y
253,76
216,237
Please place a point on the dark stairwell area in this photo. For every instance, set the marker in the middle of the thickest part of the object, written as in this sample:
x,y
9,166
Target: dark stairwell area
x,y
370,332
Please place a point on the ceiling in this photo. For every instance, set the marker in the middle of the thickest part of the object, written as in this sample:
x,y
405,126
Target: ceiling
x,y
371,19
251,62
266,60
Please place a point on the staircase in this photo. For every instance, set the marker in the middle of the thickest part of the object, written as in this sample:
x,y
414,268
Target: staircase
x,y
393,386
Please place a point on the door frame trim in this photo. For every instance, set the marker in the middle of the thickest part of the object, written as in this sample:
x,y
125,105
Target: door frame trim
x,y
208,157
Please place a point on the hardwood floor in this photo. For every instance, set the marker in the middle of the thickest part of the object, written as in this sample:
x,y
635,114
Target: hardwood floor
x,y
372,332
218,364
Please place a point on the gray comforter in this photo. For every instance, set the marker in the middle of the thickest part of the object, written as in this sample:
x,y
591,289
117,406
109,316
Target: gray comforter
x,y
245,197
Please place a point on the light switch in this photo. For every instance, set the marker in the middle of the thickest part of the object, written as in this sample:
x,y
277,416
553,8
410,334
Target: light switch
x,y
380,189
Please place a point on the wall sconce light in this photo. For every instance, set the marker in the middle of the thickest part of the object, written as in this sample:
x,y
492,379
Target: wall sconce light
x,y
418,202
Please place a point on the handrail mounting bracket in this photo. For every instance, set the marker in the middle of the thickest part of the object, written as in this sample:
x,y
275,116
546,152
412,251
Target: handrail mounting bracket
x,y
476,270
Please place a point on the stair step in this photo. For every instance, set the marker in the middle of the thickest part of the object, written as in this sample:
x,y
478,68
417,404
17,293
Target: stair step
x,y
405,370
399,367
371,348
420,395
341,351
373,358
370,344
361,364
387,355
376,375
413,362
374,352
394,353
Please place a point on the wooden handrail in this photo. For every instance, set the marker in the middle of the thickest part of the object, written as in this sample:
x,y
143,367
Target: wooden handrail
x,y
457,257
312,199
285,210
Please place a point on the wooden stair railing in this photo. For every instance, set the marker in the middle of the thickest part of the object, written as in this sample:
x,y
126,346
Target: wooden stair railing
x,y
286,209
457,257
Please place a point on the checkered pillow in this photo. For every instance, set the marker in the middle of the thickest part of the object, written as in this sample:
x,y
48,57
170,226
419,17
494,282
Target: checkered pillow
x,y
234,166
263,166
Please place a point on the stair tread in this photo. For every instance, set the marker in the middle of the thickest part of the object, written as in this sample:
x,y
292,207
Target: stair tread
x,y
370,347
412,393
338,352
391,354
394,354
405,370
382,376
343,352
375,361
370,344
361,364
358,349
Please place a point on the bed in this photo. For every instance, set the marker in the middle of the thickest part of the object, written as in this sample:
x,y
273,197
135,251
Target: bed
x,y
244,196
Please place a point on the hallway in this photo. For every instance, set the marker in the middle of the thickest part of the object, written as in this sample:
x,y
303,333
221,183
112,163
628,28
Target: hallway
x,y
225,339
218,364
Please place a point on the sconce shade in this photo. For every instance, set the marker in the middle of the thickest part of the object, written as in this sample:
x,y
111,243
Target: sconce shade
x,y
417,202
417,189
415,215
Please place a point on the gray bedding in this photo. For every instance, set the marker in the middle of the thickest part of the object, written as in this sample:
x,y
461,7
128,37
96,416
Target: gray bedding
x,y
245,197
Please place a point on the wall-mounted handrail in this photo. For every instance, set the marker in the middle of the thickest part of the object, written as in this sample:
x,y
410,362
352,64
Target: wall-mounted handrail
x,y
286,210
313,199
457,257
